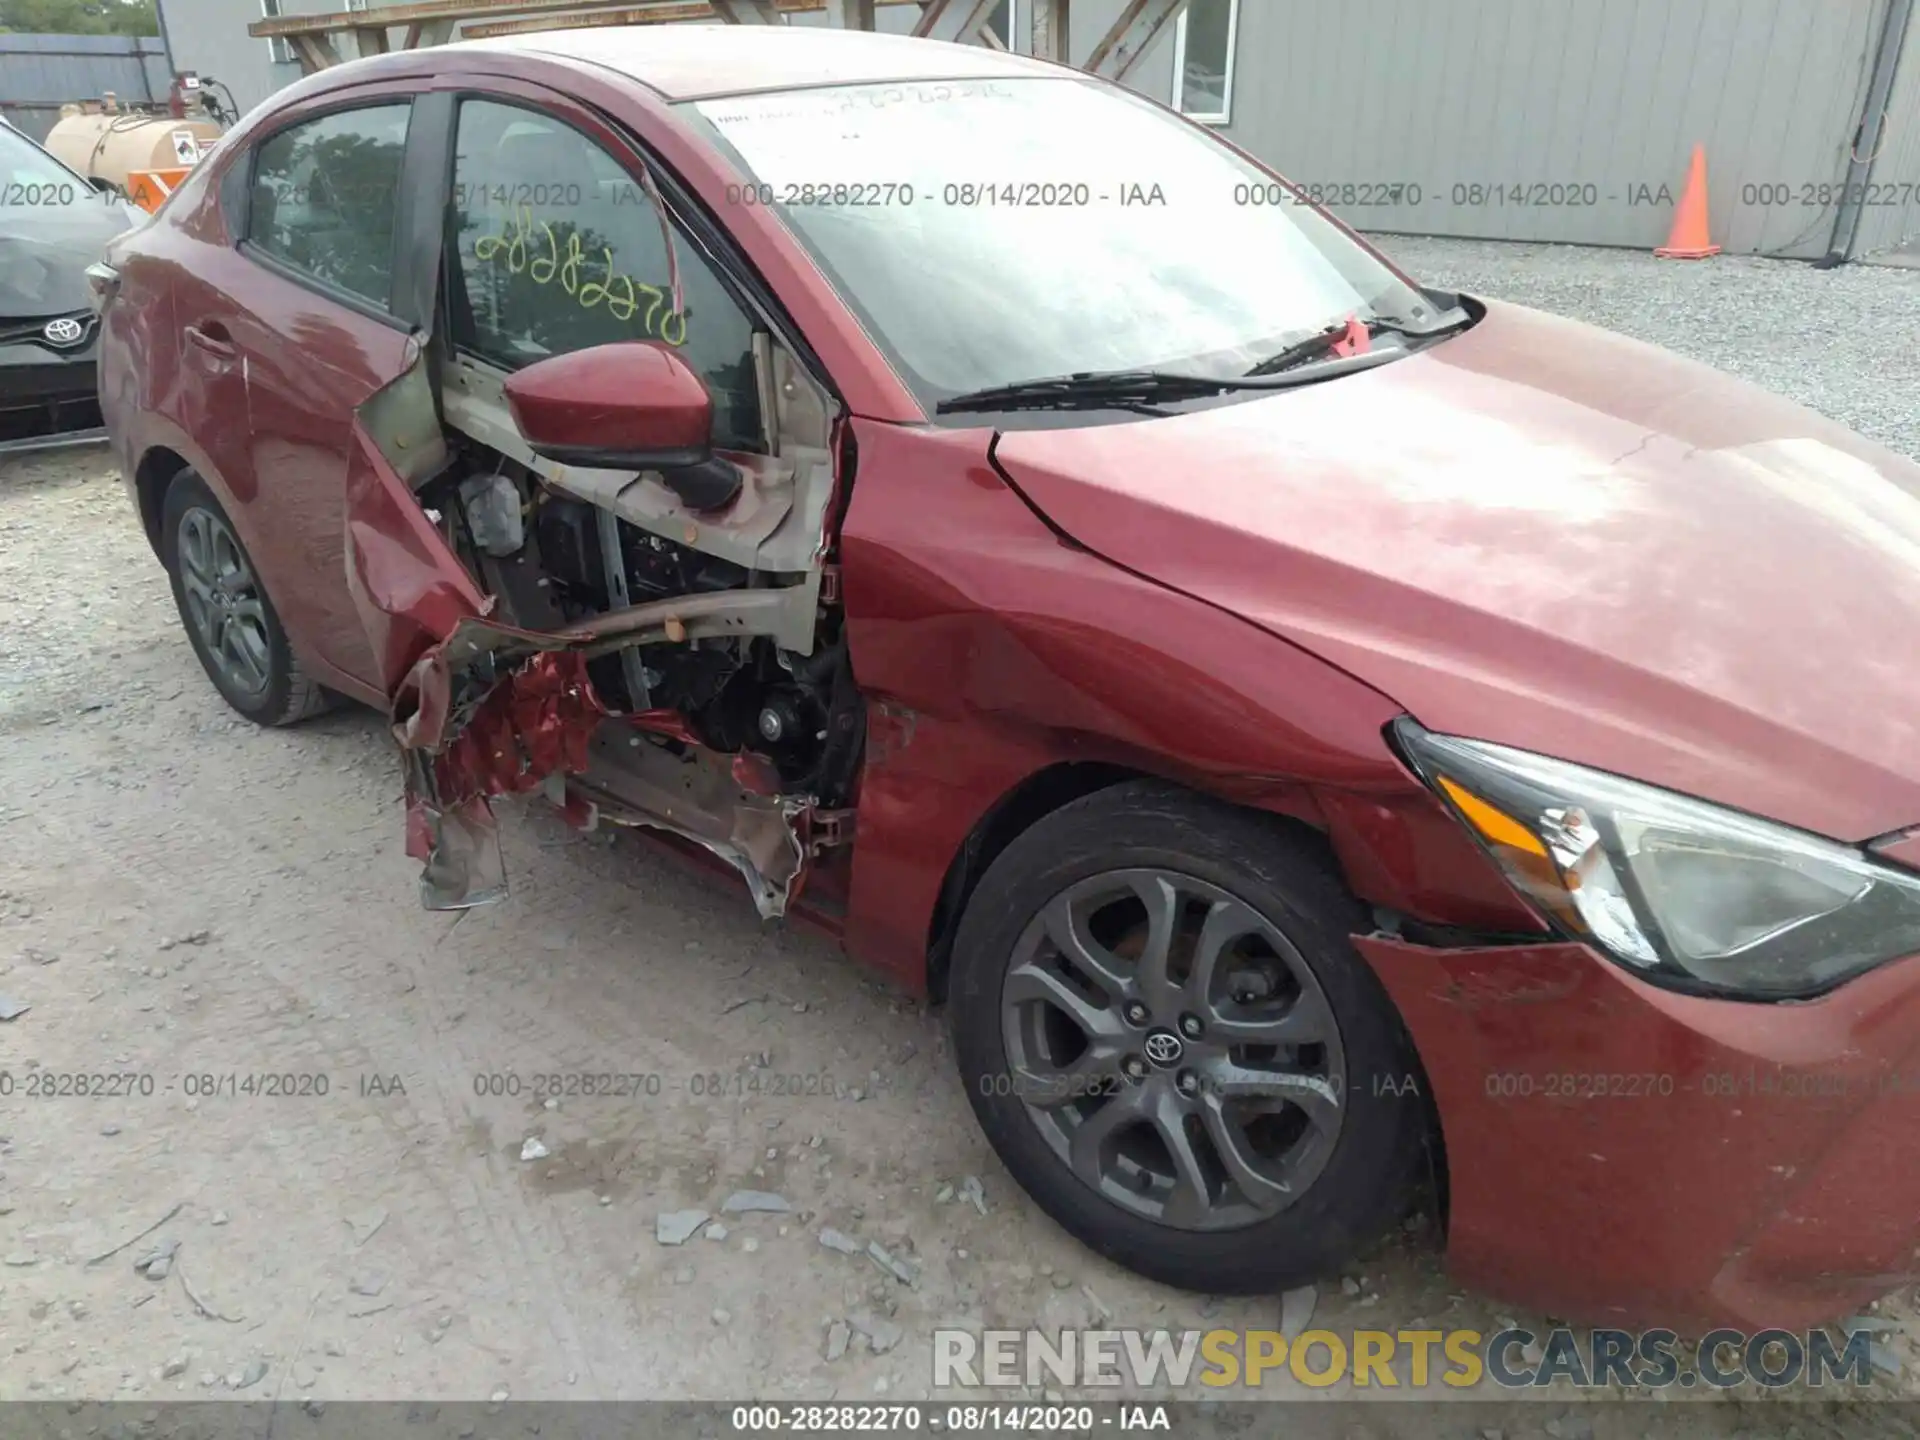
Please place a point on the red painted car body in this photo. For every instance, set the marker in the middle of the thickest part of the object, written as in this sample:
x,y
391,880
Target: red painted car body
x,y
1535,534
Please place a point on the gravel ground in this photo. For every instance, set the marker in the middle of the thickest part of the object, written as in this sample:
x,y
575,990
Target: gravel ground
x,y
1845,341
188,898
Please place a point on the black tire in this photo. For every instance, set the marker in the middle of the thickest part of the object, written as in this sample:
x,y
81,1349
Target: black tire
x,y
285,693
1368,1166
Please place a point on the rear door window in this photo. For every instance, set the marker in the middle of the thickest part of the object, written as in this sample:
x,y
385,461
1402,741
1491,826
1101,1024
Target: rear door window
x,y
558,248
324,196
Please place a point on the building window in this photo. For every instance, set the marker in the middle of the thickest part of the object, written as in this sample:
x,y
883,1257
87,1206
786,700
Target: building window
x,y
1203,53
279,50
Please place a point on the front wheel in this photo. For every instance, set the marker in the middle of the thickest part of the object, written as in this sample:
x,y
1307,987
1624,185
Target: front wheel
x,y
1171,1043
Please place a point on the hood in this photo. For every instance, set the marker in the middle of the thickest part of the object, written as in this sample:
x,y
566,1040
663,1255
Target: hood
x,y
45,251
1553,537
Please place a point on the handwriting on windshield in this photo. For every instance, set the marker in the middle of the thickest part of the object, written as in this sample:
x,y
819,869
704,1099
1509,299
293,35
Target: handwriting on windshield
x,y
530,247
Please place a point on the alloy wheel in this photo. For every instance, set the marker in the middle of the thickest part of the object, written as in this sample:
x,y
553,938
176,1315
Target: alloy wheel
x,y
223,601
1174,1049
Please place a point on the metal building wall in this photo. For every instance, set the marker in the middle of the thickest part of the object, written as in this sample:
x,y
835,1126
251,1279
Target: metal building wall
x,y
39,73
1091,18
210,37
1560,120
1890,209
1603,99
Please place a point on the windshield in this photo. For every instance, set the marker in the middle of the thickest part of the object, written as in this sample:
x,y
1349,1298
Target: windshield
x,y
31,177
991,232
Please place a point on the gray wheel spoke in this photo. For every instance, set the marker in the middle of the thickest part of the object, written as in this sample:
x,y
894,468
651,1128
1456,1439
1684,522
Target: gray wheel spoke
x,y
1065,929
1307,1021
230,564
1162,901
1190,1200
1045,1089
196,548
1089,1138
195,580
1031,982
1242,1165
1227,921
249,663
1313,1094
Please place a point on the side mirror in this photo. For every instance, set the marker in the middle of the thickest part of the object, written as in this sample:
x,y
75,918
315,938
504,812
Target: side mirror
x,y
630,405
103,185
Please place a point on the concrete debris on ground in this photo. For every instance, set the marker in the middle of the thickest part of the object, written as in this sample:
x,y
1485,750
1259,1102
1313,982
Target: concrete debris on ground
x,y
881,1333
838,1338
157,1262
904,1271
676,1227
1872,1324
365,1224
743,1202
1296,1310
974,1193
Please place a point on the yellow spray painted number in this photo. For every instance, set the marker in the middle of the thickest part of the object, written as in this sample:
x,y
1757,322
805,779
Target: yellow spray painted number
x,y
530,247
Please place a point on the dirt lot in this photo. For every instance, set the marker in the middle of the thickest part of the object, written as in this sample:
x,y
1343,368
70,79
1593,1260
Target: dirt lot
x,y
192,905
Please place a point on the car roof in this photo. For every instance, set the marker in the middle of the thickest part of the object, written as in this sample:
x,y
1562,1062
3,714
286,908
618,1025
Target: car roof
x,y
699,61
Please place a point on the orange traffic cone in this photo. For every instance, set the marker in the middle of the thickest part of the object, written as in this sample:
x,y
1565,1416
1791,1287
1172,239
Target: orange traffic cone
x,y
1689,238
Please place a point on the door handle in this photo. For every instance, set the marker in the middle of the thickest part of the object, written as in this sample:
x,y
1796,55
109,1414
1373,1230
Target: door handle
x,y
212,338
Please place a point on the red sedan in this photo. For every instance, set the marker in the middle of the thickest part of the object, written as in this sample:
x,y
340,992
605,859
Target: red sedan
x,y
1334,745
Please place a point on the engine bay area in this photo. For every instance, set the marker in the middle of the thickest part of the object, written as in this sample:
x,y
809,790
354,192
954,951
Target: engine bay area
x,y
655,649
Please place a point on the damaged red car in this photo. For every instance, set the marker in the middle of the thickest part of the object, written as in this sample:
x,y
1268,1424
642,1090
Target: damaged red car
x,y
1333,744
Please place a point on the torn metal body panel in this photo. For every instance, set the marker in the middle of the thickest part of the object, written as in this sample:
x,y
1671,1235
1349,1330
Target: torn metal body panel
x,y
495,693
697,794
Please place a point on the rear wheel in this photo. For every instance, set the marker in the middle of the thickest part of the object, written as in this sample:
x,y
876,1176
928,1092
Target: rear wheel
x,y
228,617
1173,1046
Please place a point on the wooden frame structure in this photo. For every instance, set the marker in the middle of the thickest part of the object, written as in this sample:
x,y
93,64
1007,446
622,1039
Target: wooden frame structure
x,y
432,22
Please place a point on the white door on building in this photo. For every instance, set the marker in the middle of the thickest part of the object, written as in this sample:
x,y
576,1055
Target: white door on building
x,y
1004,22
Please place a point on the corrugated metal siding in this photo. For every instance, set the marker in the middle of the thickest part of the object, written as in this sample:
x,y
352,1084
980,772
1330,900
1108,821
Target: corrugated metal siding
x,y
1890,221
1602,98
1090,21
1574,118
39,73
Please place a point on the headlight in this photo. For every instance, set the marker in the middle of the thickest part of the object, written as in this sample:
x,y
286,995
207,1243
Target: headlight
x,y
1685,893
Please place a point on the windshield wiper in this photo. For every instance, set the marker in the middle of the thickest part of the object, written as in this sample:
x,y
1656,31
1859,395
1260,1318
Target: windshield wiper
x,y
1093,389
1314,346
1129,389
